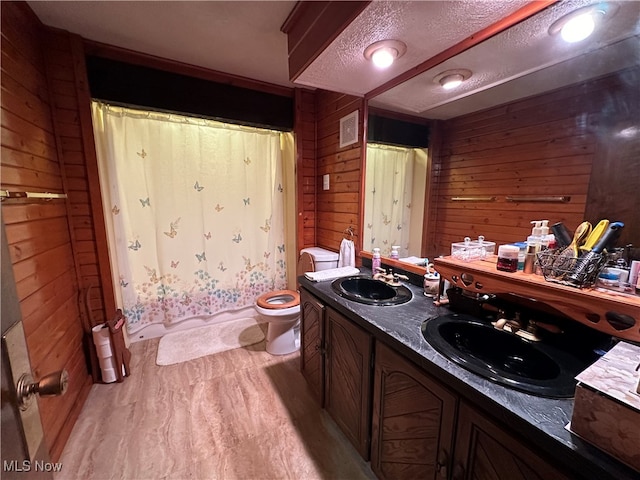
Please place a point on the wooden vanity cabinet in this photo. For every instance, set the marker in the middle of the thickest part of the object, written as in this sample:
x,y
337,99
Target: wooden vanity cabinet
x,y
413,420
347,393
336,362
413,425
407,422
484,450
312,344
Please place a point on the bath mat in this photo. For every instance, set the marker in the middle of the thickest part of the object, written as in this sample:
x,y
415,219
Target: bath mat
x,y
199,342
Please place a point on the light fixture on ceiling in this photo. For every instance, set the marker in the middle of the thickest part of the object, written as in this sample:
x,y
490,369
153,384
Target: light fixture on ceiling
x,y
581,23
385,52
452,78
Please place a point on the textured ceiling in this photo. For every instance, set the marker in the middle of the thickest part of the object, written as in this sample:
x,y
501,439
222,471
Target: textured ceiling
x,y
427,28
521,62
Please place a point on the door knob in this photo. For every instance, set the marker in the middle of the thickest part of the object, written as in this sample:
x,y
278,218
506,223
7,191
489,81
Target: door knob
x,y
53,384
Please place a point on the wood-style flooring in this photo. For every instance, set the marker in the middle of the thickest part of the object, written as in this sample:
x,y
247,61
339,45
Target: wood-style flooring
x,y
240,414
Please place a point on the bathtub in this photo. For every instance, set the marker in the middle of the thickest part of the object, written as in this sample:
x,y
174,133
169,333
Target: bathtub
x,y
156,330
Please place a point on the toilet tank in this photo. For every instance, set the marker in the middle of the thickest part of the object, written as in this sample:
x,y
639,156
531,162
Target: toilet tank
x,y
322,259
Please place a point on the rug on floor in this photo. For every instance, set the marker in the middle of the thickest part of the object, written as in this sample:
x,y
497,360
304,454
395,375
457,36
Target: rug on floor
x,y
194,343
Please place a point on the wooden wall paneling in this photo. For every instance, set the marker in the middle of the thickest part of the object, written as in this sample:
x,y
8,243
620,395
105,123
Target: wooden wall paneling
x,y
61,76
97,269
305,133
67,69
431,208
545,145
38,233
339,207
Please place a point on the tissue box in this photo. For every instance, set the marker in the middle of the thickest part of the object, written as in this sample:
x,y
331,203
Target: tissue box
x,y
470,250
606,409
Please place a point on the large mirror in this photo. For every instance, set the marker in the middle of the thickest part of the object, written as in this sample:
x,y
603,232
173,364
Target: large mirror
x,y
395,184
526,60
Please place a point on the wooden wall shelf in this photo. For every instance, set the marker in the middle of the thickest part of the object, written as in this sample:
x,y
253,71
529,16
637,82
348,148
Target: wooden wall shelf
x,y
592,307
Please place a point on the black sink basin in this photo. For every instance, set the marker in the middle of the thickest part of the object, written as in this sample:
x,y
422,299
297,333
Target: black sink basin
x,y
366,290
503,357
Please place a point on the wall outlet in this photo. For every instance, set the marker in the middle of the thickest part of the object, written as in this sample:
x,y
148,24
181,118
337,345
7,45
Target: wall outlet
x,y
325,181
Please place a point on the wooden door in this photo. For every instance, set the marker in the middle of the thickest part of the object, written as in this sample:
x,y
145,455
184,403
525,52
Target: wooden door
x,y
347,395
484,450
22,442
312,344
413,420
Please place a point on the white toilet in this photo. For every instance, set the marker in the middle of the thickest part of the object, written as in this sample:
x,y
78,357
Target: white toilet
x,y
281,309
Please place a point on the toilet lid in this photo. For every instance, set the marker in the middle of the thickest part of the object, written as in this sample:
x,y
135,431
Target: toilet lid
x,y
263,300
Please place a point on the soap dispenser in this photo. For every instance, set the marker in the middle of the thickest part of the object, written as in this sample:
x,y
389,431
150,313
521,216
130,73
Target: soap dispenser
x,y
546,240
533,246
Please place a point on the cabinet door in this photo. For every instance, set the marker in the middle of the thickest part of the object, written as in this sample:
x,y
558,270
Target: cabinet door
x,y
348,379
311,343
486,451
413,420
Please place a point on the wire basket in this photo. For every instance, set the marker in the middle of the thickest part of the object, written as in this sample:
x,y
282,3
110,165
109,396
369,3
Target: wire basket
x,y
579,272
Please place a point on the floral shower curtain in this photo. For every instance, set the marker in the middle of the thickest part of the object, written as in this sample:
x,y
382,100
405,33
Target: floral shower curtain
x,y
387,210
195,212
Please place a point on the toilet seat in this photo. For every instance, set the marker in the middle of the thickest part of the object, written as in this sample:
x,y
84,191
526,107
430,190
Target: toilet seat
x,y
270,300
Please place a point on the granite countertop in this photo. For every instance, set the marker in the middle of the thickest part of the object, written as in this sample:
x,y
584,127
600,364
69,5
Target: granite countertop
x,y
541,420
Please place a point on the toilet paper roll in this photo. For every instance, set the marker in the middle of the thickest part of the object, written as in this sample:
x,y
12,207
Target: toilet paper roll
x,y
107,361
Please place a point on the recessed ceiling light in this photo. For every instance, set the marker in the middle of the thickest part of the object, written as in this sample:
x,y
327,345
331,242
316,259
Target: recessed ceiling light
x,y
385,52
452,78
581,23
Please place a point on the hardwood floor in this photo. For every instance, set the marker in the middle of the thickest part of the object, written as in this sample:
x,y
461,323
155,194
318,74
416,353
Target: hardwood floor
x,y
240,414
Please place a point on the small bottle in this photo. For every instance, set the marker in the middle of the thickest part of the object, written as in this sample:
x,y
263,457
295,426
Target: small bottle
x,y
375,260
508,258
522,246
533,247
394,252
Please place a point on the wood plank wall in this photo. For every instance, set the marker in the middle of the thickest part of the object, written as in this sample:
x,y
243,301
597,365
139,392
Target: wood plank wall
x,y
38,232
339,207
64,57
305,135
540,146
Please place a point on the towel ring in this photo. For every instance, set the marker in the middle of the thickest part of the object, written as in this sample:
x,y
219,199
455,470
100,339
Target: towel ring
x,y
349,231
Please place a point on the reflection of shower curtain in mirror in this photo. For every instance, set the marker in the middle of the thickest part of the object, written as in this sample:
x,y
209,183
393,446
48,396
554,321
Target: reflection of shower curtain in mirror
x,y
194,211
389,180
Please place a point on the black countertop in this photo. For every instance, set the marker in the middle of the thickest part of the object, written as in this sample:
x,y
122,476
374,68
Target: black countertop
x,y
540,420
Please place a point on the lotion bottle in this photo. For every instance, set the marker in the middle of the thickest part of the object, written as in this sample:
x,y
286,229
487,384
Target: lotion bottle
x,y
375,260
533,247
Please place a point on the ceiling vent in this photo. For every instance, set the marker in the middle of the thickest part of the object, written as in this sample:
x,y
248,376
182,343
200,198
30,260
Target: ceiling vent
x,y
349,129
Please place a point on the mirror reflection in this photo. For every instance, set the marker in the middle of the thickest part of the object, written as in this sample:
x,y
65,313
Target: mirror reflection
x,y
394,199
503,74
395,184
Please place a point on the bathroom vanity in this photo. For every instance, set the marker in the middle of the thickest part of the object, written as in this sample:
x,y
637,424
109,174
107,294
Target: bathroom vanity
x,y
415,414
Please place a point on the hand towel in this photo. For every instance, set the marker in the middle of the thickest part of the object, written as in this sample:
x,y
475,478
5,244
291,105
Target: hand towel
x,y
331,273
347,257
